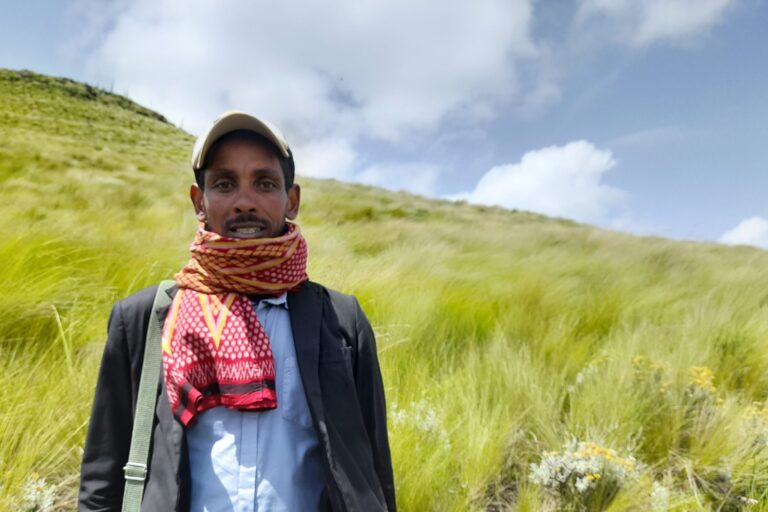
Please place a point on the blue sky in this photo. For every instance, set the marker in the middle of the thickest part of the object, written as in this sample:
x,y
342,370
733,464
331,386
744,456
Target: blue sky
x,y
645,116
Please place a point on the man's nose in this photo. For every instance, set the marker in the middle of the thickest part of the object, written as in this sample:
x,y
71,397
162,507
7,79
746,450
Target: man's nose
x,y
245,202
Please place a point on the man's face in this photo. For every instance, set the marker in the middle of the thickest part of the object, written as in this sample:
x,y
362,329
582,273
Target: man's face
x,y
244,192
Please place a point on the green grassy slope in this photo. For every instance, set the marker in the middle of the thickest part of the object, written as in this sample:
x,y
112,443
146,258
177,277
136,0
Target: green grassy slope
x,y
502,335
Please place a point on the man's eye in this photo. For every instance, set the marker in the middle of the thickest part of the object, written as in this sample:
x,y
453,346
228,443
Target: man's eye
x,y
222,185
267,185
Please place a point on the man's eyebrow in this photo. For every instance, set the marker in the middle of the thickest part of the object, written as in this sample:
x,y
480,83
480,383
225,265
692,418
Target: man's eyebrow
x,y
267,171
221,171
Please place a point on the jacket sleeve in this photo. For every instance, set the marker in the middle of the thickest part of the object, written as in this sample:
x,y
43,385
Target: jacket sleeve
x,y
370,392
109,431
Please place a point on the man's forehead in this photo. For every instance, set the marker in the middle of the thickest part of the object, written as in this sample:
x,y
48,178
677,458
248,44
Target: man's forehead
x,y
223,169
239,147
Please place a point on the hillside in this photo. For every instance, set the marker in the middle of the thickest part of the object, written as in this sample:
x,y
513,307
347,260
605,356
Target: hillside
x,y
503,335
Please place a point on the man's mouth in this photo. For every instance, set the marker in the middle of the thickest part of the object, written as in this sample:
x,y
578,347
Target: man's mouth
x,y
245,230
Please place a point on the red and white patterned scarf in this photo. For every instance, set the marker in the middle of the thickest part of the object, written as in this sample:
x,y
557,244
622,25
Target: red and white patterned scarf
x,y
215,351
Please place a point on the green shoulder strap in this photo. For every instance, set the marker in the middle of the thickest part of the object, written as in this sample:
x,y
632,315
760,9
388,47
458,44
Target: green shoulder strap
x,y
136,468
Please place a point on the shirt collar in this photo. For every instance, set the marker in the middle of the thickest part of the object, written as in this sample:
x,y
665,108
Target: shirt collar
x,y
280,300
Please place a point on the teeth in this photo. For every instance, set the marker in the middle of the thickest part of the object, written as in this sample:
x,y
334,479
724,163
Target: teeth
x,y
247,231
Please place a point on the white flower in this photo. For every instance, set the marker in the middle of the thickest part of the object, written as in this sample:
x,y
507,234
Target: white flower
x,y
583,485
37,495
540,474
424,417
421,415
660,497
748,502
582,466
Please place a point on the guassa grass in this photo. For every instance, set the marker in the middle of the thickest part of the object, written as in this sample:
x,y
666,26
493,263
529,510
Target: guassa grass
x,y
530,363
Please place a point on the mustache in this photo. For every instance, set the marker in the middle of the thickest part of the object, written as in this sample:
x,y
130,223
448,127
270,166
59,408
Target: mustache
x,y
246,218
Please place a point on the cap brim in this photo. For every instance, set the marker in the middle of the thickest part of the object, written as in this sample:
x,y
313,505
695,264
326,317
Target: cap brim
x,y
229,122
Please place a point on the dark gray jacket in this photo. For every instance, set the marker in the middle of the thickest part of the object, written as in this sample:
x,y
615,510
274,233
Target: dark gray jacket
x,y
336,354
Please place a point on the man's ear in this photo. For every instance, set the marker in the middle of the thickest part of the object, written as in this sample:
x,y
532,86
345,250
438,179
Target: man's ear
x,y
294,198
197,196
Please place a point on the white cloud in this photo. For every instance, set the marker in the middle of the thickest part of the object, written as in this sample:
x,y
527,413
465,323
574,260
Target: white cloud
x,y
751,231
651,137
563,181
641,23
539,98
337,75
326,158
380,68
415,178
336,158
94,19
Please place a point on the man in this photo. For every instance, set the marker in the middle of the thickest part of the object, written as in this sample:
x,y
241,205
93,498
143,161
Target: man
x,y
271,396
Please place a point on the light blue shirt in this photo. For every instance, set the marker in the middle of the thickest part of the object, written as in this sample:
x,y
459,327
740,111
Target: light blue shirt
x,y
248,461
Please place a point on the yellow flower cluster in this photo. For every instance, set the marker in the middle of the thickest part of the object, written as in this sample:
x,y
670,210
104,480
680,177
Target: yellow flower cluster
x,y
643,363
640,362
702,377
645,367
758,410
590,449
664,387
658,373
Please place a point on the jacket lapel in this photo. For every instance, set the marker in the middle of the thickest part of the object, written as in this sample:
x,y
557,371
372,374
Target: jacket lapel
x,y
305,307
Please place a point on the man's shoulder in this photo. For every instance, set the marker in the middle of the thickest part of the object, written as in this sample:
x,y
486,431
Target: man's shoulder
x,y
346,310
139,301
343,303
142,300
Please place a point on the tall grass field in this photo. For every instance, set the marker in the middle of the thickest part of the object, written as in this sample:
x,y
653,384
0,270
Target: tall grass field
x,y
530,363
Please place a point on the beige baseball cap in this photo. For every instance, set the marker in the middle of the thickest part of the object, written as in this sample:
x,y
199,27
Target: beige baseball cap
x,y
234,120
